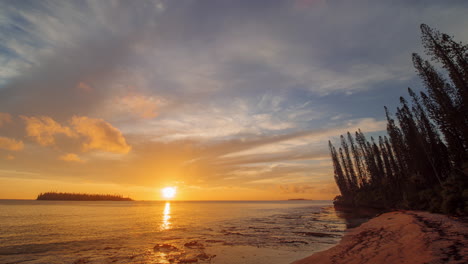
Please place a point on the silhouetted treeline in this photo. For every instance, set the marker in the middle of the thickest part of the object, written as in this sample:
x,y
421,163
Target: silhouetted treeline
x,y
60,196
422,163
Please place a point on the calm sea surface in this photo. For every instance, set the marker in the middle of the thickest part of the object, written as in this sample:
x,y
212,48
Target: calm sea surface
x,y
165,232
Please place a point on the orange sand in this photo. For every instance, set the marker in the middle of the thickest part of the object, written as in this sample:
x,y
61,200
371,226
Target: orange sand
x,y
400,237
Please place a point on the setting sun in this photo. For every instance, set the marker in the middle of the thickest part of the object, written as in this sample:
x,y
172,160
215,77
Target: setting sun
x,y
168,192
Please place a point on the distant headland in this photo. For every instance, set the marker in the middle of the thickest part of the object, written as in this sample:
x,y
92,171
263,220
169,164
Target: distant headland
x,y
61,196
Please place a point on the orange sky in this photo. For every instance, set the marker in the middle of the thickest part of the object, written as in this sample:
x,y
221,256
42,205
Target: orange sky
x,y
85,154
225,100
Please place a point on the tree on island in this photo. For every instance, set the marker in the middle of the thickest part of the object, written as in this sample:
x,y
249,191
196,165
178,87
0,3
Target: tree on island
x,y
61,196
423,162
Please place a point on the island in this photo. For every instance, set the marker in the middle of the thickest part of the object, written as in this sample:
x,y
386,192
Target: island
x,y
62,196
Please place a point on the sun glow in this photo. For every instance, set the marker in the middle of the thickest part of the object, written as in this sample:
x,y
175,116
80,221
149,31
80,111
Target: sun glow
x,y
168,192
166,224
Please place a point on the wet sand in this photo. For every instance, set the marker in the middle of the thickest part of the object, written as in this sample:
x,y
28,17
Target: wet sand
x,y
400,237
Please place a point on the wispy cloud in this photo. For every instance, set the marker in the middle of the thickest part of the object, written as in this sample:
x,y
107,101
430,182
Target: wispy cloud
x,y
71,157
138,105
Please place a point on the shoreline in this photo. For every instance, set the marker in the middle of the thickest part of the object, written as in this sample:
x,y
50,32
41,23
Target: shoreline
x,y
400,237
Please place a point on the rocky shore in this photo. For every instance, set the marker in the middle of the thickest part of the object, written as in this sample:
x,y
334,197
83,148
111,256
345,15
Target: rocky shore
x,y
400,237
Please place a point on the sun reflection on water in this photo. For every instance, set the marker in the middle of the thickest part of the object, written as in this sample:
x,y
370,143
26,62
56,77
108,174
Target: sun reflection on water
x,y
166,224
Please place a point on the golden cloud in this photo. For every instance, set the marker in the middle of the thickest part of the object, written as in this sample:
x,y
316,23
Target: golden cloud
x,y
100,135
11,144
70,157
43,129
4,118
139,105
84,87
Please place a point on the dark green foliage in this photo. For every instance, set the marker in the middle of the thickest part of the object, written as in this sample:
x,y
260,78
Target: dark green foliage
x,y
423,164
59,196
453,198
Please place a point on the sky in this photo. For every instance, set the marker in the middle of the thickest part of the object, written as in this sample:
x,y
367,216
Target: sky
x,y
224,100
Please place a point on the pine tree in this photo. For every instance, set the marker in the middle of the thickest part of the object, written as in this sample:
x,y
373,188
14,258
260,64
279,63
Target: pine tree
x,y
446,105
433,147
338,171
423,162
398,146
376,155
349,163
453,57
357,160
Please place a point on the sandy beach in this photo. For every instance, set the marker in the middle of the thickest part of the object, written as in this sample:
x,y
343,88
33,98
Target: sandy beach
x,y
400,237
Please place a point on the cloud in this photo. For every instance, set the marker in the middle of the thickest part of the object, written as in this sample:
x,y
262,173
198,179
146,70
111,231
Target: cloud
x,y
57,46
284,156
84,87
11,144
139,105
99,135
71,157
231,118
4,118
43,129
297,156
269,144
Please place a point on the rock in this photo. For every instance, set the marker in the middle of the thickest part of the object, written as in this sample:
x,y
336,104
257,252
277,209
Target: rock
x,y
81,261
214,241
164,248
204,256
315,234
194,244
294,242
189,259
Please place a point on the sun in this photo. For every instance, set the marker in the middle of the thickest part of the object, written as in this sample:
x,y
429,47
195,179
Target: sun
x,y
168,192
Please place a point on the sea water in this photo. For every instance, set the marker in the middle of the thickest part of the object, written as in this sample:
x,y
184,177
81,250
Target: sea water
x,y
166,232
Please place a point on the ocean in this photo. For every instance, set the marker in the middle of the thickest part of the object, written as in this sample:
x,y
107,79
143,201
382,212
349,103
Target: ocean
x,y
166,232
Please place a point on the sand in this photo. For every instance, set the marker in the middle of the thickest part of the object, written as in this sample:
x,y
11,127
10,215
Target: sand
x,y
400,237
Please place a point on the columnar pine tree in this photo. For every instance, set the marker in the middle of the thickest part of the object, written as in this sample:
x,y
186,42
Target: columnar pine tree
x,y
357,161
423,163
